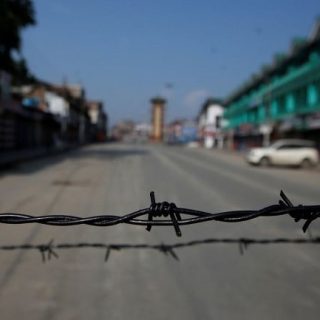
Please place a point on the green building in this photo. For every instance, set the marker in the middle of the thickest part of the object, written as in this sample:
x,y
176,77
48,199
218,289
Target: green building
x,y
281,101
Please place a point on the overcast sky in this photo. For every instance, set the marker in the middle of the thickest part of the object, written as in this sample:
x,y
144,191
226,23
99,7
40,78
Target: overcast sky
x,y
126,51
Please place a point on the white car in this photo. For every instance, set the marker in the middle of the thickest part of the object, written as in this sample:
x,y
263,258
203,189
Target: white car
x,y
290,152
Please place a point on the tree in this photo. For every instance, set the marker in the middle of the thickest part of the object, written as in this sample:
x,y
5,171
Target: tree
x,y
21,73
15,15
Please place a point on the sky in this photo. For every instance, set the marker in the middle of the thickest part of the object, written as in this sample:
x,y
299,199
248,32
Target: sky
x,y
125,52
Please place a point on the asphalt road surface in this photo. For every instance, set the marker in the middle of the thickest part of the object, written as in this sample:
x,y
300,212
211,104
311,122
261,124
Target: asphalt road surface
x,y
210,281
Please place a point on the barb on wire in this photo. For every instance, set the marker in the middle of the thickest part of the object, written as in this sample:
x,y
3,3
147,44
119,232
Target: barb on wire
x,y
50,250
172,216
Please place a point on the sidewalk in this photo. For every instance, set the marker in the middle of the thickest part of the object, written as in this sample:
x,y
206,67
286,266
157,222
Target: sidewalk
x,y
13,157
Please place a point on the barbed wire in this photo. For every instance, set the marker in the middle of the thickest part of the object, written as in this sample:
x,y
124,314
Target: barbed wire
x,y
49,250
174,214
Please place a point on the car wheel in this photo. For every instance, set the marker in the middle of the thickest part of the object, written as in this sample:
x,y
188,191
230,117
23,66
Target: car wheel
x,y
306,164
264,162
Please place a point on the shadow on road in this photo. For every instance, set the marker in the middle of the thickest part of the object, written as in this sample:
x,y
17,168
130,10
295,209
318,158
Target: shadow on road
x,y
50,249
101,152
111,153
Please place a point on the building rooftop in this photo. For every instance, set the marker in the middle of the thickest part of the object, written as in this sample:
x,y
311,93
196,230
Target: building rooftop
x,y
299,47
158,100
211,101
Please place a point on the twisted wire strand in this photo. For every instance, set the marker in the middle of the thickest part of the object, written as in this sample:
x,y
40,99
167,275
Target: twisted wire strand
x,y
173,216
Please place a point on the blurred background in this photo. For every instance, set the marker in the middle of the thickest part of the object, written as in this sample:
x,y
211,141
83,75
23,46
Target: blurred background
x,y
214,105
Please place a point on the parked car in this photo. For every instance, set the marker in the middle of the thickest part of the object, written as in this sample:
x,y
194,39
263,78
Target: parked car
x,y
290,152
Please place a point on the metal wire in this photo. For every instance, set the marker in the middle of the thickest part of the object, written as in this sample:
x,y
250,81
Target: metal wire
x,y
174,216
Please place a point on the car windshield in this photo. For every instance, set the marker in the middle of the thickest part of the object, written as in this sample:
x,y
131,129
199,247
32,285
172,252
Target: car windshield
x,y
276,145
136,181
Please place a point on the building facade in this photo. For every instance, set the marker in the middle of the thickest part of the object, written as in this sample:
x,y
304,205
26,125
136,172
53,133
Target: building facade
x,y
209,123
181,131
22,127
282,101
98,121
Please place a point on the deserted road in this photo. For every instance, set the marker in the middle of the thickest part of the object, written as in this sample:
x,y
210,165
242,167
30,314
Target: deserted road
x,y
210,281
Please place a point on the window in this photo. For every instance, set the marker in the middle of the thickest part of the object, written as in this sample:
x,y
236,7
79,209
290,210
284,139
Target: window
x,y
218,122
301,97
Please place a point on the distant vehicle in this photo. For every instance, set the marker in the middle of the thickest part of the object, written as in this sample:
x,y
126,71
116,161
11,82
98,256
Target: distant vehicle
x,y
289,152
